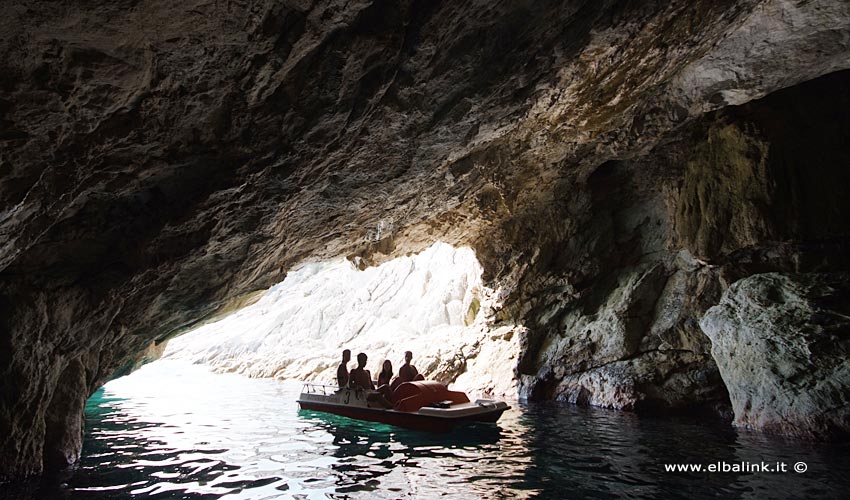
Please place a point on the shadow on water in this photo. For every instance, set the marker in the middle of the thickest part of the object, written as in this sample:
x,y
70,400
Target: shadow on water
x,y
600,454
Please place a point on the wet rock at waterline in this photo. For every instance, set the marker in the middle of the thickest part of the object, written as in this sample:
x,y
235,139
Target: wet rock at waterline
x,y
782,344
162,162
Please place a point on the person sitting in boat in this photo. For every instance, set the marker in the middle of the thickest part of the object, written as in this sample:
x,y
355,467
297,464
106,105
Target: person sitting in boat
x,y
342,376
384,379
408,372
360,376
361,379
386,373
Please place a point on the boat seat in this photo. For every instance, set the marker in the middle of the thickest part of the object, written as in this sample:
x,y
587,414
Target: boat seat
x,y
441,404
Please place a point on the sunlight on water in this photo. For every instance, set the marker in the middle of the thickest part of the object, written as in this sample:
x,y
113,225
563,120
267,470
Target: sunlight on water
x,y
173,430
198,425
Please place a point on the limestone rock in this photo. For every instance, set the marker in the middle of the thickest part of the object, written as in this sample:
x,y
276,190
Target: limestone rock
x,y
162,161
780,39
64,419
633,352
299,327
656,381
782,344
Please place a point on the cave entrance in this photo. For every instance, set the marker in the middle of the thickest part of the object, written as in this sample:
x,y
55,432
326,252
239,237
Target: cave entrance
x,y
433,303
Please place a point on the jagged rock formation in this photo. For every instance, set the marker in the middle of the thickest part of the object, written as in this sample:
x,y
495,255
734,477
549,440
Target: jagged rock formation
x,y
161,160
744,190
781,343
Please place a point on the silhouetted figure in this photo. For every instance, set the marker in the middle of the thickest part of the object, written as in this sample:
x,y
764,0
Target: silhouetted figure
x,y
384,380
360,376
342,376
386,373
408,372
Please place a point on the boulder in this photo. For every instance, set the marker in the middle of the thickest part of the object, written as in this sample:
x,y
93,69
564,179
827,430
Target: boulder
x,y
781,342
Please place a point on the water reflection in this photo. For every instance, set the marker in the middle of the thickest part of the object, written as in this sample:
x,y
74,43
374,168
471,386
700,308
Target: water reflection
x,y
177,431
368,452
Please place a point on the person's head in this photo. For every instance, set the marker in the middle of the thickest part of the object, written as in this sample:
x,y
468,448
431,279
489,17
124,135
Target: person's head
x,y
408,356
346,356
388,366
361,360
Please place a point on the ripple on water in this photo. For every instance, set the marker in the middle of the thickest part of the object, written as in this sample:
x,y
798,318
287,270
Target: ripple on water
x,y
172,430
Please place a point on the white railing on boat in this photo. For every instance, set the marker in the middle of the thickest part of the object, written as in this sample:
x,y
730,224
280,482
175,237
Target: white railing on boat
x,y
310,388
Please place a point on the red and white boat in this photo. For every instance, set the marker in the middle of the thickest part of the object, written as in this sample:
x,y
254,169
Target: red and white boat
x,y
422,405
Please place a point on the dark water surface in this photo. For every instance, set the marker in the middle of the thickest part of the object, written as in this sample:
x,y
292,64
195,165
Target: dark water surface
x,y
177,431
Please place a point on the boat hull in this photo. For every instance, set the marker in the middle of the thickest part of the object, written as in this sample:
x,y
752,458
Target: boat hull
x,y
402,419
354,405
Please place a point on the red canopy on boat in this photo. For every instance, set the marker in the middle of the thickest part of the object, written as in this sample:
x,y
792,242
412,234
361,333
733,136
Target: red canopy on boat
x,y
410,396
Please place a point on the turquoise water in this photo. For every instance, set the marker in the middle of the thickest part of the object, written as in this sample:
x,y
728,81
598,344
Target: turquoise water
x,y
177,431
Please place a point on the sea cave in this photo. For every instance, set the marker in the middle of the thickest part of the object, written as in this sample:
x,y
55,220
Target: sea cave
x,y
631,216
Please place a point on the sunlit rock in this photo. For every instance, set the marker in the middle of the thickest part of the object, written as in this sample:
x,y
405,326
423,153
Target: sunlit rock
x,y
433,304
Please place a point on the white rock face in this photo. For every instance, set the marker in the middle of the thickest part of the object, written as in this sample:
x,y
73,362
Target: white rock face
x,y
781,344
781,43
433,304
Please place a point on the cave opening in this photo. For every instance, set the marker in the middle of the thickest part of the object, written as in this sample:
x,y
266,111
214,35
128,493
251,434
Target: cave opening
x,y
214,396
433,303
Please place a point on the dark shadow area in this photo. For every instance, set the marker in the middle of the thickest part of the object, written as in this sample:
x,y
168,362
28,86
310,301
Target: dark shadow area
x,y
601,454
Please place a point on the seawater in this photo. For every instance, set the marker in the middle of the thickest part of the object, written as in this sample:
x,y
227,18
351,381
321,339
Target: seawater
x,y
174,430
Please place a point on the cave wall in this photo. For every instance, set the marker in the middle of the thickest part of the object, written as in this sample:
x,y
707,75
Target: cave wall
x,y
162,160
747,190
